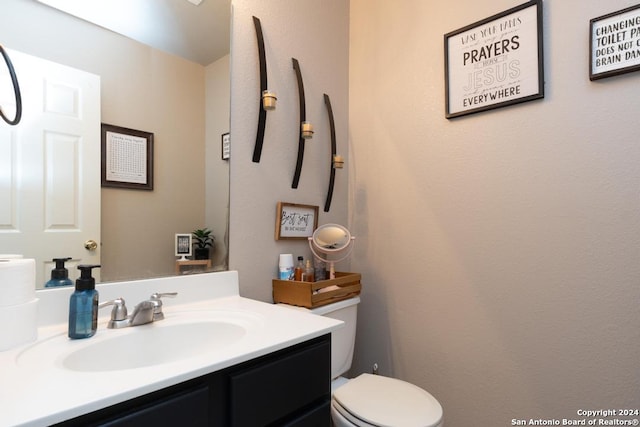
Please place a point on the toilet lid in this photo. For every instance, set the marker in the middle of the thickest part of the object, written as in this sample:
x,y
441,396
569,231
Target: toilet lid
x,y
388,402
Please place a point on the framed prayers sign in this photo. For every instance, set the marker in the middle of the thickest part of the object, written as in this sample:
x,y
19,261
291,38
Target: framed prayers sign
x,y
495,62
294,221
615,43
127,158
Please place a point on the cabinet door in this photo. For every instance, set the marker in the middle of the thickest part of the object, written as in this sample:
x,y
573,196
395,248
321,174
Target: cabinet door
x,y
275,390
190,409
319,416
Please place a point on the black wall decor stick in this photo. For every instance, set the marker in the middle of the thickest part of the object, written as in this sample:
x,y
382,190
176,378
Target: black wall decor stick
x,y
303,113
332,176
16,91
262,115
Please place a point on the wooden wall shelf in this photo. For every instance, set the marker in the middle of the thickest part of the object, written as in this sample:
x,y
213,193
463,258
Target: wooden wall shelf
x,y
192,265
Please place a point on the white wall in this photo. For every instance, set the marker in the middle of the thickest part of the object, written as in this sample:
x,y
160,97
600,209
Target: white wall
x,y
499,251
315,33
218,103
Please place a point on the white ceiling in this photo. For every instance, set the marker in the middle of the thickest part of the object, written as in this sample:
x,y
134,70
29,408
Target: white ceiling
x,y
199,33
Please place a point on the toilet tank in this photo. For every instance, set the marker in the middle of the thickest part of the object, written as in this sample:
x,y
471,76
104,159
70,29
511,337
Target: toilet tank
x,y
343,339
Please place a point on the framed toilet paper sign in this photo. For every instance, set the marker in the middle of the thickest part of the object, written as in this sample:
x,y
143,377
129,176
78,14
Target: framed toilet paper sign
x,y
495,62
295,221
615,43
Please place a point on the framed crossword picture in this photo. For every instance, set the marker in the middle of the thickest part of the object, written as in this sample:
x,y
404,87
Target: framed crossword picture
x,y
127,158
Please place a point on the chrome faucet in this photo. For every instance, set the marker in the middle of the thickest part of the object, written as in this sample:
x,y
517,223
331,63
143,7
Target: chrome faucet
x,y
145,312
142,314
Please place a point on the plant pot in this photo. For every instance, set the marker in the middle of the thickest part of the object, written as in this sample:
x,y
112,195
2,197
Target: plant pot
x,y
201,253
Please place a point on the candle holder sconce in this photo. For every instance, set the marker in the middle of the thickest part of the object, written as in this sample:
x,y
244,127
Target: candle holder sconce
x,y
267,99
337,162
16,91
306,128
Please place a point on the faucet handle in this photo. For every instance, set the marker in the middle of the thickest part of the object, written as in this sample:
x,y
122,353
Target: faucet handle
x,y
157,302
157,295
118,314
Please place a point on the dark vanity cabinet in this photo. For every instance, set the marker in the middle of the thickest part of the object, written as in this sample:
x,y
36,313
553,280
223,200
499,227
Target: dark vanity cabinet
x,y
291,387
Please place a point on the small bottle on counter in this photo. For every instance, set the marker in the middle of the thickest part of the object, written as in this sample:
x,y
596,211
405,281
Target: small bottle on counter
x,y
309,275
285,267
299,269
83,305
320,269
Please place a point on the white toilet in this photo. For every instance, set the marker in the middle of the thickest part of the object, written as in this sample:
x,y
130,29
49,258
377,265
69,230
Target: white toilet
x,y
371,400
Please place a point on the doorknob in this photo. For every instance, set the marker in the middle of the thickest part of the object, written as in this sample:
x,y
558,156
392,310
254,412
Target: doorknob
x,y
90,245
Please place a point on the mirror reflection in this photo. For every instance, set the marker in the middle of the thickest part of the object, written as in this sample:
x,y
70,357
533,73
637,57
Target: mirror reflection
x,y
331,237
183,102
331,243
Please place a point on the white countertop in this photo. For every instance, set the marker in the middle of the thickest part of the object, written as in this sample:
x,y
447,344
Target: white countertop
x,y
39,394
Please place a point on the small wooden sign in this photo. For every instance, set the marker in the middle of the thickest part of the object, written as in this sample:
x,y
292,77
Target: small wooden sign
x,y
295,221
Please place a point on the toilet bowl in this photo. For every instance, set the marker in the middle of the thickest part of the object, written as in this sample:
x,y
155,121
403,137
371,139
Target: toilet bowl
x,y
370,400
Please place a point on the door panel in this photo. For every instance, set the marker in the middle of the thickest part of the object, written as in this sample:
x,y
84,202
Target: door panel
x,y
50,162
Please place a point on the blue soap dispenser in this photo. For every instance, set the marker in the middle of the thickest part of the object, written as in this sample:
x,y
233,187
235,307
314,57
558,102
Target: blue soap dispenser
x,y
59,275
83,305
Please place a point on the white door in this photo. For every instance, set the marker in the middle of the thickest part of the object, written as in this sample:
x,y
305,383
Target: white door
x,y
50,165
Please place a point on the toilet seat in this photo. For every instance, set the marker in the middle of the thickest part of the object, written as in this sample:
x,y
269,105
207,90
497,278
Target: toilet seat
x,y
374,400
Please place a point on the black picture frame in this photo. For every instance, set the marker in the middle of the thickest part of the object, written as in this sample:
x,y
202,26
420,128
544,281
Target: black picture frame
x,y
225,143
127,158
495,62
183,245
613,44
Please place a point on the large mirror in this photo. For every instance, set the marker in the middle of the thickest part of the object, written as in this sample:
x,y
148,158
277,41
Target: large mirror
x,y
173,91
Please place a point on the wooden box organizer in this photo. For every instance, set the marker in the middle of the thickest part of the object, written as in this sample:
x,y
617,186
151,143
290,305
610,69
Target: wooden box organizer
x,y
311,294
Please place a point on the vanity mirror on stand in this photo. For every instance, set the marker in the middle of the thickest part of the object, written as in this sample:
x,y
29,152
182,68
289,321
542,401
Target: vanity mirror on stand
x,y
331,243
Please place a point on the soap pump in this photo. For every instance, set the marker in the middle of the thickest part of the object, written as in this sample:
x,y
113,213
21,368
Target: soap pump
x,y
59,275
83,305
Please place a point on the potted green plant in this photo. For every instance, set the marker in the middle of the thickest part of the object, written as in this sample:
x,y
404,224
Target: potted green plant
x,y
203,240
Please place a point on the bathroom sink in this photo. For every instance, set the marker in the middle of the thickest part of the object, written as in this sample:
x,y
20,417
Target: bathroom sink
x,y
153,346
171,340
